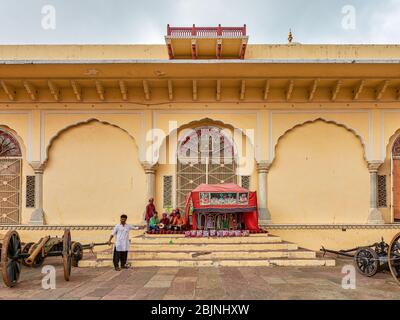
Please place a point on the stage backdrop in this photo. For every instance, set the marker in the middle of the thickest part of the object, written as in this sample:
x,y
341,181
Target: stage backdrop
x,y
223,198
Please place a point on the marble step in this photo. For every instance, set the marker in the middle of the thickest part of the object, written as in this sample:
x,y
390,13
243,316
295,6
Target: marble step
x,y
184,240
278,262
203,246
207,255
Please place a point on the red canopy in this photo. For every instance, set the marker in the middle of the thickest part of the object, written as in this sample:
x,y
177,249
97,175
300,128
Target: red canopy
x,y
223,198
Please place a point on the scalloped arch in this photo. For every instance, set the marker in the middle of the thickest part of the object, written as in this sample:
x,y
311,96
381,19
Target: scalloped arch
x,y
204,121
390,143
323,120
77,124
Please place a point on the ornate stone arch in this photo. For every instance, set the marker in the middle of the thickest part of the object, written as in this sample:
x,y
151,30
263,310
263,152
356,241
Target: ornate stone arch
x,y
393,140
227,172
393,155
77,124
15,139
339,124
200,122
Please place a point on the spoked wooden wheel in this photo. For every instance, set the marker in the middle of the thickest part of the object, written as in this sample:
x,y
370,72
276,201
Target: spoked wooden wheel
x,y
394,257
67,254
366,261
10,258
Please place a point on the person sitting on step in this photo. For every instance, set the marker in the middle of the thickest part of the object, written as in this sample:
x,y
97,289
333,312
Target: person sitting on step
x,y
165,221
172,217
154,222
179,222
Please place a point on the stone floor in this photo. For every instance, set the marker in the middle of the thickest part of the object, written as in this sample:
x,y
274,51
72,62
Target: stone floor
x,y
203,283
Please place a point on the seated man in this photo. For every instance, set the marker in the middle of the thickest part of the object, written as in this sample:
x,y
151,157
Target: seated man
x,y
165,221
179,221
154,222
172,217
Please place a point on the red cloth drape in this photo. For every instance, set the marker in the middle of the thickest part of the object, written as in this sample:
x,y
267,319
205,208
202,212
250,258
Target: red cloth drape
x,y
250,217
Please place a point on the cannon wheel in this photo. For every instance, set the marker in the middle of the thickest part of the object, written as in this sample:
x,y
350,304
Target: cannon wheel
x,y
67,254
394,257
77,253
10,258
367,261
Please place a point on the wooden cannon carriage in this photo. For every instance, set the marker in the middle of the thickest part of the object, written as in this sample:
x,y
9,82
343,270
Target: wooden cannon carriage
x,y
14,254
376,257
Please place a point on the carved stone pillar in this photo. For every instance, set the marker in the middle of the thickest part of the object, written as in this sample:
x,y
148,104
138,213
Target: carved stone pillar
x,y
375,216
264,216
37,216
150,171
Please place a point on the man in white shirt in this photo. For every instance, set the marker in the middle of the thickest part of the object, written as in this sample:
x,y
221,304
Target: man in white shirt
x,y
121,248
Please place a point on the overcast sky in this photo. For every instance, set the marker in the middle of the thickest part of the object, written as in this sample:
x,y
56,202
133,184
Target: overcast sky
x,y
135,22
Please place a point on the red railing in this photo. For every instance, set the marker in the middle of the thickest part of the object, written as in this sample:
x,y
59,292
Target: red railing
x,y
212,32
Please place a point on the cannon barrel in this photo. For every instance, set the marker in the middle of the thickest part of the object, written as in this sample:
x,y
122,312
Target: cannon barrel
x,y
29,261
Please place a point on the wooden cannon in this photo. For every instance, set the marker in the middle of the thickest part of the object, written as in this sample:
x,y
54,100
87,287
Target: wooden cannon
x,y
14,253
373,258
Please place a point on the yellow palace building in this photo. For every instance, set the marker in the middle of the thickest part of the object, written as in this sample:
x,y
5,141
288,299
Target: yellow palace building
x,y
88,132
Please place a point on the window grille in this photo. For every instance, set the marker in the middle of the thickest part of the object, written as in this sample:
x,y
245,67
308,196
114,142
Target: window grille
x,y
167,192
245,182
30,191
382,191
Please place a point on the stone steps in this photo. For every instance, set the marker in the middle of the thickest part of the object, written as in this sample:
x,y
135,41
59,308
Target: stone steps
x,y
185,240
215,263
213,246
257,250
209,255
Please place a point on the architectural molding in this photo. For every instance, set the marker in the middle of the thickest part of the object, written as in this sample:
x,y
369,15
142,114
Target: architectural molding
x,y
374,165
263,166
149,168
37,166
343,227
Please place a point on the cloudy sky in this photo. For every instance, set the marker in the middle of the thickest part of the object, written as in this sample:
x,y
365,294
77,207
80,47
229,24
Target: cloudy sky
x,y
134,22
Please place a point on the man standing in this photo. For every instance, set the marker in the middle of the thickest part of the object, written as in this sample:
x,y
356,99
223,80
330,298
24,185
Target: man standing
x,y
150,210
121,234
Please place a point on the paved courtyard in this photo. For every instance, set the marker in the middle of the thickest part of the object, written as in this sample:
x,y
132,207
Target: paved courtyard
x,y
203,283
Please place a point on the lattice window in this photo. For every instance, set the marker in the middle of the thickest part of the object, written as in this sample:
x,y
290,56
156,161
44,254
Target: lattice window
x,y
382,191
10,190
245,182
205,155
30,191
10,178
167,192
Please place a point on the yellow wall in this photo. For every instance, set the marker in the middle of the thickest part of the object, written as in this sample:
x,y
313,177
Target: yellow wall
x,y
159,51
92,176
319,176
277,135
336,239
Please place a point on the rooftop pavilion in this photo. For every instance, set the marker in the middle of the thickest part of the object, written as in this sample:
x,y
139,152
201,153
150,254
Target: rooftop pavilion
x,y
206,42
